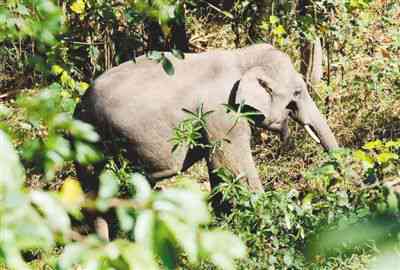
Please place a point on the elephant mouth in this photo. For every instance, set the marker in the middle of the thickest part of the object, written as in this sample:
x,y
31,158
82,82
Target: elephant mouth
x,y
282,128
275,126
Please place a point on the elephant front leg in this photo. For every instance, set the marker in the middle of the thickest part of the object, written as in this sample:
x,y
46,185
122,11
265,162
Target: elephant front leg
x,y
235,155
239,162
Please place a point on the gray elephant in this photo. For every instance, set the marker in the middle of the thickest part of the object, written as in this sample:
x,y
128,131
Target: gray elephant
x,y
141,103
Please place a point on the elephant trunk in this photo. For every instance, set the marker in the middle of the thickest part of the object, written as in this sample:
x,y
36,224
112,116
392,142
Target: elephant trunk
x,y
317,126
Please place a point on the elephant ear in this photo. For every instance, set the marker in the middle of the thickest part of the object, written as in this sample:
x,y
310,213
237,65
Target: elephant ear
x,y
254,90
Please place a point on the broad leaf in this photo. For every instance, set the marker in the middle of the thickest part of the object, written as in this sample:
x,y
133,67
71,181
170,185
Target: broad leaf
x,y
222,248
109,185
53,211
12,174
167,66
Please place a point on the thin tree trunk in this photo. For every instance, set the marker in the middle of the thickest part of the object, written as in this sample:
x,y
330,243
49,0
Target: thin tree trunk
x,y
311,64
311,51
179,39
155,36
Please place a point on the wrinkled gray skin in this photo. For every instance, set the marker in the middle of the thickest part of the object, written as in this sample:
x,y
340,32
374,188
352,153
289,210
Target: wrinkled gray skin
x,y
140,102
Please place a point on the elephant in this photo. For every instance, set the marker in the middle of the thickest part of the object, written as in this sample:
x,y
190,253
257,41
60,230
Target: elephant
x,y
138,101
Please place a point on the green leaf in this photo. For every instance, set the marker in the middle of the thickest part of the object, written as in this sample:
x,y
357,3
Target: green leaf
x,y
4,111
167,66
13,257
71,254
85,154
166,14
32,230
153,234
178,54
78,7
394,144
83,131
365,158
288,259
392,201
53,211
328,169
21,9
136,256
186,235
125,218
222,248
83,87
155,55
142,187
109,185
165,245
342,198
389,260
48,7
185,205
354,235
12,174
59,144
377,144
57,70
52,163
307,201
144,229
386,156
279,30
273,19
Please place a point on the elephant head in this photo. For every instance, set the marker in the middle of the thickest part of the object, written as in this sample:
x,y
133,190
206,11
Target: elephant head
x,y
272,86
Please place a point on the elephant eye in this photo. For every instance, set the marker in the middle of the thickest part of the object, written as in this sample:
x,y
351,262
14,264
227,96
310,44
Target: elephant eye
x,y
297,93
265,86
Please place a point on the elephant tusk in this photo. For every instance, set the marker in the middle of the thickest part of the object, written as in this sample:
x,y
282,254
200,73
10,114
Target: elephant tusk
x,y
312,134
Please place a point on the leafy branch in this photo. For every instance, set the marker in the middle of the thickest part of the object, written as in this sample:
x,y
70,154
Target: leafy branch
x,y
162,224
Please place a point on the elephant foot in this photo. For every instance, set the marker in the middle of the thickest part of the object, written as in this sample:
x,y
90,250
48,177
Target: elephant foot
x,y
220,206
255,185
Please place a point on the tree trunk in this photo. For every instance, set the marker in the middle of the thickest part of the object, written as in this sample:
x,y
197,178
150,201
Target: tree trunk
x,y
155,36
179,39
311,51
311,61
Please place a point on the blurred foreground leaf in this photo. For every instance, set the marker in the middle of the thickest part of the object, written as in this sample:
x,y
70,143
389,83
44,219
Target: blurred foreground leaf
x,y
381,230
